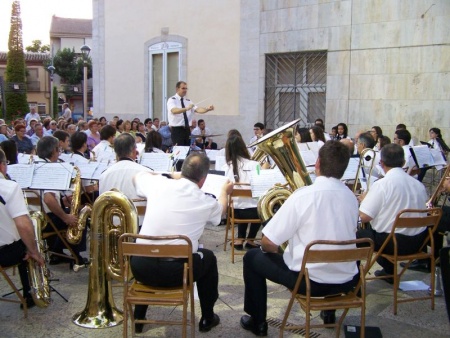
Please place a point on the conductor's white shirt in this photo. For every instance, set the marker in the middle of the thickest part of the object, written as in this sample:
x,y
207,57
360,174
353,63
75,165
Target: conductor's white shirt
x,y
326,210
177,120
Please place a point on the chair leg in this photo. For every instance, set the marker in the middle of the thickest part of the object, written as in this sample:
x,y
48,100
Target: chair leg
x,y
339,324
191,295
22,300
226,236
125,320
432,279
363,321
396,285
184,326
286,316
232,243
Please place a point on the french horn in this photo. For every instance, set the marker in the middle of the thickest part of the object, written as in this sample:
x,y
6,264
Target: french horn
x,y
38,275
100,310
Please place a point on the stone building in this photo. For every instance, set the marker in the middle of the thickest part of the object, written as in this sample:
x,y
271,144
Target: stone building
x,y
365,63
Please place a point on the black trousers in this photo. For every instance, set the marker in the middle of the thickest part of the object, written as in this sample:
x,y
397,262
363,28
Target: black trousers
x,y
444,225
13,254
259,266
54,242
180,136
242,228
406,244
157,272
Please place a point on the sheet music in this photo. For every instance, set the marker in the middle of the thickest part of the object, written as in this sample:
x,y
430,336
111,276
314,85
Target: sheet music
x,y
23,158
213,184
52,176
22,174
140,148
180,152
263,180
220,162
156,161
313,146
350,172
302,147
212,154
66,158
438,158
308,157
101,167
423,156
87,169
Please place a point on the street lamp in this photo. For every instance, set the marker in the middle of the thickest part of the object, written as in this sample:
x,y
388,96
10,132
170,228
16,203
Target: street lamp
x,y
51,70
85,50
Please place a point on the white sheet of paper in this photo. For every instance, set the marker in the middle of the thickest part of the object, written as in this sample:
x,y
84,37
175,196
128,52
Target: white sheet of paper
x,y
211,153
313,146
23,158
438,158
87,169
213,184
220,162
423,156
302,147
179,152
413,285
140,147
264,180
350,172
22,174
52,176
156,161
101,167
309,157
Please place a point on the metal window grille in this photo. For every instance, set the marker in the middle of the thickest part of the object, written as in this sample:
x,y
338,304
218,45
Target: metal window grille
x,y
295,88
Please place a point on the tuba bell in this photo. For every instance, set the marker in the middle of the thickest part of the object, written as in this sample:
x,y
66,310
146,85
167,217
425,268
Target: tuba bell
x,y
280,145
100,310
38,275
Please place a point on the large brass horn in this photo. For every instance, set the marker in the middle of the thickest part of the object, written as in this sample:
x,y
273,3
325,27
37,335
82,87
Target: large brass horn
x,y
280,145
434,199
75,233
100,310
366,159
38,275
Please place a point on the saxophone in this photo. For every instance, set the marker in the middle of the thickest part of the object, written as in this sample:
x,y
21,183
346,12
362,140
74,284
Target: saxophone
x,y
38,275
434,199
75,233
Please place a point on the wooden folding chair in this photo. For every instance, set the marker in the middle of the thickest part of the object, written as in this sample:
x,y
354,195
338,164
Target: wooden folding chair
x,y
21,299
141,294
428,218
239,190
341,301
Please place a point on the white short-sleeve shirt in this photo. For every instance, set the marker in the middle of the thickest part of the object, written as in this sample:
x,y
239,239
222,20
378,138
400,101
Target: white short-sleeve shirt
x,y
326,210
176,207
395,192
177,120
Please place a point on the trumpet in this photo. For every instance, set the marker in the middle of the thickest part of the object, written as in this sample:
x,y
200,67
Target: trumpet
x,y
434,199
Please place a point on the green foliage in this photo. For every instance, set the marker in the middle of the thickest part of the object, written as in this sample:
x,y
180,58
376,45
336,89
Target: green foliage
x,y
37,47
69,66
16,99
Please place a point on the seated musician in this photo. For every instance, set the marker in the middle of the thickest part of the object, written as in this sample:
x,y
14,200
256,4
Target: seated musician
x,y
179,207
17,239
311,213
402,137
202,142
64,141
104,151
238,168
385,199
48,149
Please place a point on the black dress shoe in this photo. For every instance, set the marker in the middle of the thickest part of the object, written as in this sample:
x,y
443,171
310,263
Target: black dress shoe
x,y
382,273
328,316
54,260
30,303
207,324
249,246
138,328
422,265
260,329
238,247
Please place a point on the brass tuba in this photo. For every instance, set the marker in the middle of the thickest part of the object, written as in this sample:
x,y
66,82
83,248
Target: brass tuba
x,y
38,275
281,146
75,233
100,310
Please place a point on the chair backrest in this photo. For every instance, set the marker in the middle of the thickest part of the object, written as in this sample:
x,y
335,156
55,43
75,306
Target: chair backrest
x,y
338,255
241,190
421,218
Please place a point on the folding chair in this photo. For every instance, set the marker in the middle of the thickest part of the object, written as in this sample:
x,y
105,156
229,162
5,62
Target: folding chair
x,y
239,190
341,301
428,218
21,299
140,294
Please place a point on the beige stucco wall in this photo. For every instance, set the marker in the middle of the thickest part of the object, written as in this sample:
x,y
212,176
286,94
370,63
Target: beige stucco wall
x,y
212,68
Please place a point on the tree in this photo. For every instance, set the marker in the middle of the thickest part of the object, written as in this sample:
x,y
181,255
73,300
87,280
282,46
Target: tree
x,y
15,75
37,47
69,66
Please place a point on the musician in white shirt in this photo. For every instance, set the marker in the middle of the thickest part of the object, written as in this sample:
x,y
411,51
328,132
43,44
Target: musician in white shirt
x,y
202,142
104,151
310,213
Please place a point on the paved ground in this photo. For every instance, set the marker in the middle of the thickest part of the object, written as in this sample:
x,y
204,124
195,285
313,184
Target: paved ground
x,y
413,320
